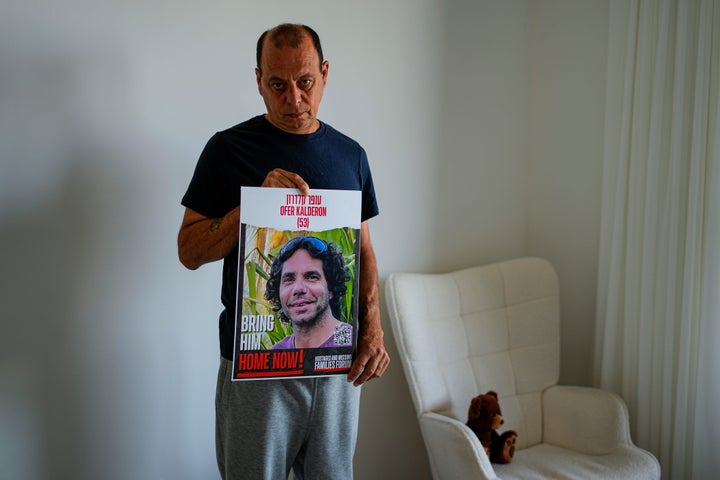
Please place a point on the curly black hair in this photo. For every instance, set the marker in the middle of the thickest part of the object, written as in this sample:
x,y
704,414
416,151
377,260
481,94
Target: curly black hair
x,y
334,268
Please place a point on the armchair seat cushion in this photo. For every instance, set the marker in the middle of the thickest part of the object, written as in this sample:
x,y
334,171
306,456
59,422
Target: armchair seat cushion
x,y
546,461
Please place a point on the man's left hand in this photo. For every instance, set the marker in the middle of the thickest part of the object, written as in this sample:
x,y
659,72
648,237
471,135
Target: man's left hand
x,y
372,359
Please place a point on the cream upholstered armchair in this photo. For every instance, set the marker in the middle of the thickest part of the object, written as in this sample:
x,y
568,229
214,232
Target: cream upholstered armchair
x,y
497,327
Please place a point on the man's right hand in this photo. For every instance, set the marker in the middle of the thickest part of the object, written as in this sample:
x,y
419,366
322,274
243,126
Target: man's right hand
x,y
283,179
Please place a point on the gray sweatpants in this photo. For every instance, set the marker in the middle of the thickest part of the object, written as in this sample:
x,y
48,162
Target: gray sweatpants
x,y
266,427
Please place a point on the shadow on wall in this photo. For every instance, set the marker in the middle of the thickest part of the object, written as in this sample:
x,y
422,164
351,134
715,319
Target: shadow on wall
x,y
47,251
46,240
69,339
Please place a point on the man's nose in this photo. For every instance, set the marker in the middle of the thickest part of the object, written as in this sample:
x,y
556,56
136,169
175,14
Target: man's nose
x,y
299,288
293,95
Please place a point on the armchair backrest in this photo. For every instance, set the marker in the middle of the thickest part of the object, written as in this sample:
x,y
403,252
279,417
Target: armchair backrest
x,y
493,327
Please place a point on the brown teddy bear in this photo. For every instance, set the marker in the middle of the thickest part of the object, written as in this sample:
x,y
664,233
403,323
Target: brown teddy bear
x,y
484,418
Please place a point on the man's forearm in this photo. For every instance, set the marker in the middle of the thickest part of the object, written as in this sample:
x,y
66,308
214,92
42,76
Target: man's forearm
x,y
203,240
369,304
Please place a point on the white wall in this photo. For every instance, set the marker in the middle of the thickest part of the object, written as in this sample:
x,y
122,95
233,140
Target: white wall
x,y
568,48
482,120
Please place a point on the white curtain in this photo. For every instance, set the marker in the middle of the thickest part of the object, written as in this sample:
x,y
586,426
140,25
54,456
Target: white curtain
x,y
658,315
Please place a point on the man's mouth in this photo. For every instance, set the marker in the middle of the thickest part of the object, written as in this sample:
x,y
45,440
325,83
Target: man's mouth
x,y
300,304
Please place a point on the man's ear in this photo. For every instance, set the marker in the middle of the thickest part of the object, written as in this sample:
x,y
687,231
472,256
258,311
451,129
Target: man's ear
x,y
258,79
324,68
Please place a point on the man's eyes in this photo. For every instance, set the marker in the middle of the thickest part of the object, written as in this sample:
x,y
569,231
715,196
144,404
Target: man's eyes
x,y
303,84
308,277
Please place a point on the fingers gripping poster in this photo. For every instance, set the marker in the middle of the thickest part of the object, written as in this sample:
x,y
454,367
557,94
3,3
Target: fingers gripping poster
x,y
296,313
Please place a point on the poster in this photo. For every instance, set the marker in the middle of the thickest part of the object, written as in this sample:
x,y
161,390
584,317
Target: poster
x,y
296,313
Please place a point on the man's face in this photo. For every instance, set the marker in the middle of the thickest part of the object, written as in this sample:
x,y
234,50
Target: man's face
x,y
291,84
304,294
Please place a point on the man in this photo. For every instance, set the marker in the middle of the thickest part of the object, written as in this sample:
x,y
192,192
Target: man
x,y
266,428
306,285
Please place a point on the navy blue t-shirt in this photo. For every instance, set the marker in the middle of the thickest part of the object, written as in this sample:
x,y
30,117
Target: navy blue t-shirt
x,y
243,155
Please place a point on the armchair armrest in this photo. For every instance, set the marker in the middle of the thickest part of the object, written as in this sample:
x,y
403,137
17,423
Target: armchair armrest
x,y
583,419
453,449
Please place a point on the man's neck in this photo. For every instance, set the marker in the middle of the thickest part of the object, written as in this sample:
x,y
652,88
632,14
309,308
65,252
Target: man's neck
x,y
309,129
316,335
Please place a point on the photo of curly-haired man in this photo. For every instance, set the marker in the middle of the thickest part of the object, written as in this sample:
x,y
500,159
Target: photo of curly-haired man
x,y
306,286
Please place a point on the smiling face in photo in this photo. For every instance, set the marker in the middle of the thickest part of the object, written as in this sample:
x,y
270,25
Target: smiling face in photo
x,y
304,293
